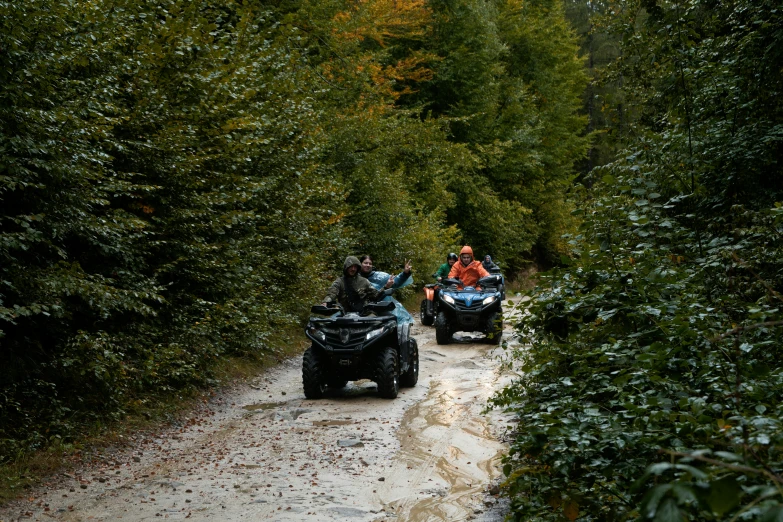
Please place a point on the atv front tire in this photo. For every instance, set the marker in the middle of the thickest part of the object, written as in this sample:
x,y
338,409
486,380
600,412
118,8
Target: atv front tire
x,y
411,376
387,374
442,329
494,328
426,319
312,374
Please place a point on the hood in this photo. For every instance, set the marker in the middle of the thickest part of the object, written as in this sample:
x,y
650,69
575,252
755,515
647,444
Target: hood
x,y
349,262
466,250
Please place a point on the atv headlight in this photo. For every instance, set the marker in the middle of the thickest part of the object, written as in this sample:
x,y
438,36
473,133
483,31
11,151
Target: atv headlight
x,y
318,334
374,333
488,300
448,298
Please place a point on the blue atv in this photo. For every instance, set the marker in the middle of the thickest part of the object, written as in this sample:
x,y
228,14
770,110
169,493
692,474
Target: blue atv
x,y
470,310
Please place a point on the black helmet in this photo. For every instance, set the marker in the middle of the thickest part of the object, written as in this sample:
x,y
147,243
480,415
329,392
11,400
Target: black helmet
x,y
451,256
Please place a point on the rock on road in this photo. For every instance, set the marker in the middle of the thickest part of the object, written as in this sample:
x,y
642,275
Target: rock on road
x,y
264,452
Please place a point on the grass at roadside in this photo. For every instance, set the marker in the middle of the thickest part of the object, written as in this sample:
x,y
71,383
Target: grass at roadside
x,y
411,300
523,281
26,471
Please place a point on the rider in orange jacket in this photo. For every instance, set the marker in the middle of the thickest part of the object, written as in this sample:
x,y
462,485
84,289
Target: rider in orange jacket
x,y
467,270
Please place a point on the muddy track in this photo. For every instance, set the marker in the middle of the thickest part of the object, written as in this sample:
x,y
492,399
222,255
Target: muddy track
x,y
264,452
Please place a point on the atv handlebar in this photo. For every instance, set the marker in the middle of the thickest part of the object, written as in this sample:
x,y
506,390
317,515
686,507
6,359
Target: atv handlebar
x,y
490,280
326,310
383,306
369,308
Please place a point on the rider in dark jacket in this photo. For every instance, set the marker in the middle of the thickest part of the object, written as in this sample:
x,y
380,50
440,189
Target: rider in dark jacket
x,y
490,265
352,290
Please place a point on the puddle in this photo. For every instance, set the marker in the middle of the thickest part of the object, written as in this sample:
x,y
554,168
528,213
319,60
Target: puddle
x,y
262,406
468,365
467,338
447,437
350,443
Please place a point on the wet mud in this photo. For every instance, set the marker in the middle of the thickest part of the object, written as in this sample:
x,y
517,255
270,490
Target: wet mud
x,y
264,452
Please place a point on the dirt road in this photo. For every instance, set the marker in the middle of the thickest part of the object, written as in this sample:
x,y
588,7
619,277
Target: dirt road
x,y
264,452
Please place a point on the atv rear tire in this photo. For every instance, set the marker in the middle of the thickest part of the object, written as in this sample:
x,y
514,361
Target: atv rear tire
x,y
426,319
494,328
387,374
312,374
442,329
411,376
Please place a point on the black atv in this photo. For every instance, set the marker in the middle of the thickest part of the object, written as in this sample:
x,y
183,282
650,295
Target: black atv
x,y
353,346
502,286
470,310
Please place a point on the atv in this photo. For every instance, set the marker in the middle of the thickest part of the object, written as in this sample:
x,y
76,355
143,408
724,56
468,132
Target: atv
x,y
429,305
470,310
353,346
502,285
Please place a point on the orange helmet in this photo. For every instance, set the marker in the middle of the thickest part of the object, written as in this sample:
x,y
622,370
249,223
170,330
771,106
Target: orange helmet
x,y
466,250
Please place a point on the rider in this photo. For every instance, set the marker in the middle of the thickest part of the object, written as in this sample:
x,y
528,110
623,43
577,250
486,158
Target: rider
x,y
445,268
467,270
380,280
494,269
490,265
352,290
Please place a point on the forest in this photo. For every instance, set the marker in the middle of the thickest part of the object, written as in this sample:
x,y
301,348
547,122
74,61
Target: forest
x,y
180,181
652,376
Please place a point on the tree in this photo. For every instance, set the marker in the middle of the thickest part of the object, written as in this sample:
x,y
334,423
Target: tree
x,y
509,81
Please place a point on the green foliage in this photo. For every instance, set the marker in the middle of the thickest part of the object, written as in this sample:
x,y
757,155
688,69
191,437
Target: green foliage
x,y
652,382
510,83
162,204
391,164
604,100
393,174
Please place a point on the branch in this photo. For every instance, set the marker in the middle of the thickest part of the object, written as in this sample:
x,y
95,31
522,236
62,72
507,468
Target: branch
x,y
733,467
739,329
771,290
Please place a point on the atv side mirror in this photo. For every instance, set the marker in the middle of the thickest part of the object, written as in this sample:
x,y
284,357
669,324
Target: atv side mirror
x,y
452,281
376,308
490,280
324,310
